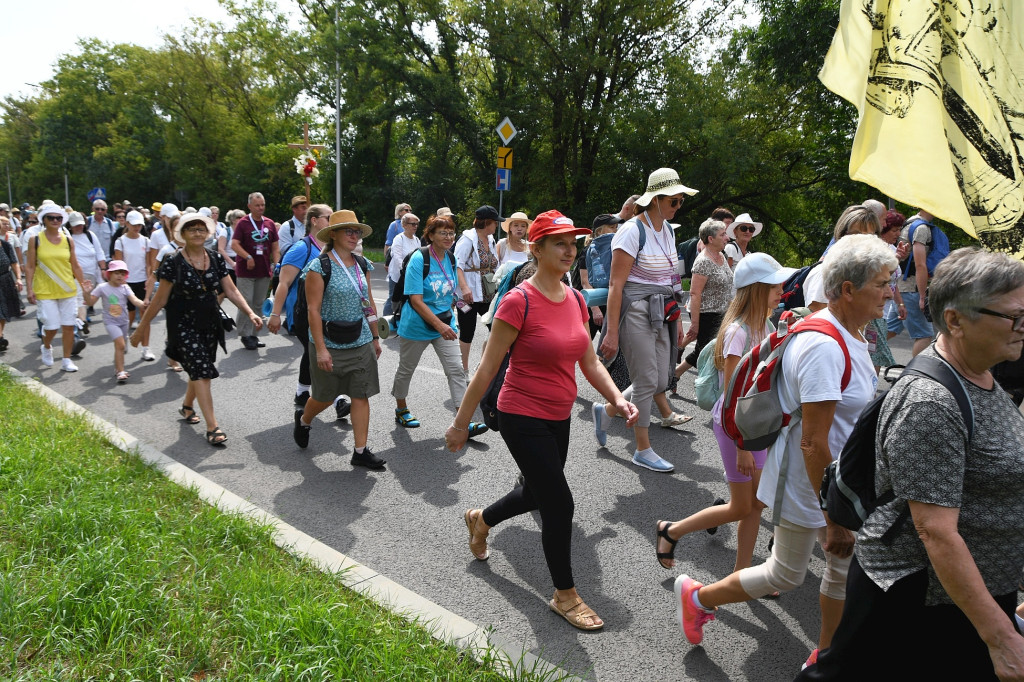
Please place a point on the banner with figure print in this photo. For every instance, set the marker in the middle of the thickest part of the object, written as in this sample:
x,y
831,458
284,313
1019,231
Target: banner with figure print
x,y
939,88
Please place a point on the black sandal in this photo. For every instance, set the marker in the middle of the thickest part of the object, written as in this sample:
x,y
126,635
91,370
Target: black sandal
x,y
188,414
216,437
663,527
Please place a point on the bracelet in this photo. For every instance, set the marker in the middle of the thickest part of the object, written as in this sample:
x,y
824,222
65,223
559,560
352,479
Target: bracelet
x,y
900,305
458,429
275,314
376,338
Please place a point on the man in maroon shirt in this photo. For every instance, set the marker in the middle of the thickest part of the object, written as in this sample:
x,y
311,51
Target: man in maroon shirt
x,y
255,243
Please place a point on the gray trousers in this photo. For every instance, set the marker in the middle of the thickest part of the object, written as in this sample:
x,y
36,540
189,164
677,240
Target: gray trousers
x,y
448,353
254,291
648,355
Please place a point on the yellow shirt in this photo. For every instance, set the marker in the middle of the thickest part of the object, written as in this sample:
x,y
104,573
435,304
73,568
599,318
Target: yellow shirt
x,y
57,258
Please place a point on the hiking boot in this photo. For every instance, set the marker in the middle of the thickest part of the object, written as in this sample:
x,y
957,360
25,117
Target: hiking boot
x,y
691,618
367,459
342,408
301,432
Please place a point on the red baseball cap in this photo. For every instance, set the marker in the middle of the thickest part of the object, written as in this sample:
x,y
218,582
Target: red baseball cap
x,y
552,222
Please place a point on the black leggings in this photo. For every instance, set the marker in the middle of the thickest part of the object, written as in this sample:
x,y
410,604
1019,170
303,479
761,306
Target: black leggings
x,y
892,635
539,447
305,378
706,333
467,321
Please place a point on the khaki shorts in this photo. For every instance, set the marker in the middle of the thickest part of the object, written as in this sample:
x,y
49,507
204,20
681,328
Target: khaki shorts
x,y
354,374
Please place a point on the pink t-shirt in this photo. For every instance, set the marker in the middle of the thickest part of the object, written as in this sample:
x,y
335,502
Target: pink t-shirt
x,y
541,378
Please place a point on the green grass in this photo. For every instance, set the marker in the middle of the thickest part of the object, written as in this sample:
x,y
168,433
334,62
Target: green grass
x,y
376,255
108,570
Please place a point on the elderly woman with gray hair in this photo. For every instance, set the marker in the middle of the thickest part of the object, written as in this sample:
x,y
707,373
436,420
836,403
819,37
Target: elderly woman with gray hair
x,y
826,380
711,290
945,584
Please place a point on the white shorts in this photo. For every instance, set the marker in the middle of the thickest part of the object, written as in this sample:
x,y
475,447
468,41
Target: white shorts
x,y
57,312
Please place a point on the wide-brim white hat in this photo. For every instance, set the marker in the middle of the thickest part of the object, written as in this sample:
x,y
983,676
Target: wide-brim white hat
x,y
743,219
49,209
189,219
664,182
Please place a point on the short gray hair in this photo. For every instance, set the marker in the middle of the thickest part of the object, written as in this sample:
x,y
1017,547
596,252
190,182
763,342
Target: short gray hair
x,y
856,258
254,195
971,278
99,203
709,229
409,216
233,214
876,206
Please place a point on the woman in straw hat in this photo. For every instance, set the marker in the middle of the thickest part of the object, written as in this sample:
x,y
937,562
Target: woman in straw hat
x,y
513,248
644,291
342,333
546,319
190,282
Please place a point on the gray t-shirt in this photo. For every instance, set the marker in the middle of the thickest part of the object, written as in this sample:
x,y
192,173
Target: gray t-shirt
x,y
923,455
922,235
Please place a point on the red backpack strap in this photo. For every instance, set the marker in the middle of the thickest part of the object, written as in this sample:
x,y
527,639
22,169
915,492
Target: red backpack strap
x,y
818,324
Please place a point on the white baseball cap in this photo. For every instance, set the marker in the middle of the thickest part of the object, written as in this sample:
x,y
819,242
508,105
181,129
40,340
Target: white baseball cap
x,y
759,267
135,218
169,211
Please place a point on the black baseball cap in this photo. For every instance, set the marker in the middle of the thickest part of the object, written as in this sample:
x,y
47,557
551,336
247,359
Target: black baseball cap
x,y
607,219
488,213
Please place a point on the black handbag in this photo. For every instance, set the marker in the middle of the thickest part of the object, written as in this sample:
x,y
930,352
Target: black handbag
x,y
226,321
343,332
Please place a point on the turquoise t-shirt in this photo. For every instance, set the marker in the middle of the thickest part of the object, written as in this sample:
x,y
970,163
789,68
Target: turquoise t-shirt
x,y
438,291
342,302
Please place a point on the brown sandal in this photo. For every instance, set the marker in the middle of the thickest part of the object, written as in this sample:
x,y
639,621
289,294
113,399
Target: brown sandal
x,y
477,541
578,614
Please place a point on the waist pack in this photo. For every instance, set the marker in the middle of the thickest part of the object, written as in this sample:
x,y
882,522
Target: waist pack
x,y
848,486
344,331
752,413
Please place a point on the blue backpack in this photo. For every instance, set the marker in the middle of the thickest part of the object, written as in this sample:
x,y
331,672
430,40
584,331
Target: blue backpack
x,y
938,248
599,257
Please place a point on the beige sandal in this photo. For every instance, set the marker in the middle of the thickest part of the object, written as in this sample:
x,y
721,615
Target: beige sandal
x,y
477,541
578,614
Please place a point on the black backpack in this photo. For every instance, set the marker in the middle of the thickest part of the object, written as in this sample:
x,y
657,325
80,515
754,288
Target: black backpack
x,y
489,402
793,288
398,296
687,252
295,320
848,487
301,309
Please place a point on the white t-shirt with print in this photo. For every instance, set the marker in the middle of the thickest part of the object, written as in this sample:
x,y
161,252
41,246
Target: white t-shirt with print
x,y
656,263
812,368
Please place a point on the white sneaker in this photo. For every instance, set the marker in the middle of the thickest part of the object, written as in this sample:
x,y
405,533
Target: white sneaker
x,y
68,366
147,355
47,354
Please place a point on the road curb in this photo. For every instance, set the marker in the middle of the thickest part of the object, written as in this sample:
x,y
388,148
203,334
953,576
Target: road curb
x,y
486,647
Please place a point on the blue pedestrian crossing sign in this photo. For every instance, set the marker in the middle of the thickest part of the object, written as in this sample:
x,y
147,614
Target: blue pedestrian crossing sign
x,y
97,193
503,182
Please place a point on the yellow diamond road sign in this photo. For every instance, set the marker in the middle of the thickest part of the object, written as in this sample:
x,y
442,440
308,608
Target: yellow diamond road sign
x,y
506,131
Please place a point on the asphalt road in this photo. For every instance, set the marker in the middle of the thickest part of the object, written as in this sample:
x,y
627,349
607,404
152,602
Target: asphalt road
x,y
407,523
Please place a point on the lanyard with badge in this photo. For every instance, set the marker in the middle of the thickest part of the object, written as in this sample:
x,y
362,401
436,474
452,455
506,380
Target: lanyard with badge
x,y
259,235
361,289
677,281
459,303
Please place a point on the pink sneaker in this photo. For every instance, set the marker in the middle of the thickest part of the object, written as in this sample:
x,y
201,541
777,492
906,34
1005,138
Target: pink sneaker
x,y
691,618
811,660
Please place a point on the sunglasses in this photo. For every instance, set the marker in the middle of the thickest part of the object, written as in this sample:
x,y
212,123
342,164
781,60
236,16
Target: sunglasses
x,y
53,217
675,203
31,222
746,228
1017,320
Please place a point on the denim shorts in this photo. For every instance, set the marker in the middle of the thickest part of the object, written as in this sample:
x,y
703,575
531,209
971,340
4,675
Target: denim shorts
x,y
917,326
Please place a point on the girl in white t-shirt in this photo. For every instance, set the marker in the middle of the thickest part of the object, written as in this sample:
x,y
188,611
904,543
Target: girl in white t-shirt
x,y
758,279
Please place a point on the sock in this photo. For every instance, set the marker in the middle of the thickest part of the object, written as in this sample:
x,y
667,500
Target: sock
x,y
300,388
696,602
1020,622
302,420
359,451
646,454
145,348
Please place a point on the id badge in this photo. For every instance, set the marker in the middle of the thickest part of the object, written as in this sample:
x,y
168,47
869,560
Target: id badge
x,y
462,305
259,250
368,312
871,336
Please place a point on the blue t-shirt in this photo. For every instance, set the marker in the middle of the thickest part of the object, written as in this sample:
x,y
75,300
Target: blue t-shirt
x,y
342,303
297,257
393,231
438,292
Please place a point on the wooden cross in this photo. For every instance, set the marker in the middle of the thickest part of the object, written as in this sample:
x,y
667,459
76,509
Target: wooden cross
x,y
306,146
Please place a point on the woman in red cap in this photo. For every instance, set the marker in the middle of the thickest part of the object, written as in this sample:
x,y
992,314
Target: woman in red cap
x,y
536,401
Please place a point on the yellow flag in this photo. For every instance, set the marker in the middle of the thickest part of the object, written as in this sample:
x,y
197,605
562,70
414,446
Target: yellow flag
x,y
939,86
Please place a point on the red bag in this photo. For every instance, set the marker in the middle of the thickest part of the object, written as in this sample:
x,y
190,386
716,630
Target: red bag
x,y
752,413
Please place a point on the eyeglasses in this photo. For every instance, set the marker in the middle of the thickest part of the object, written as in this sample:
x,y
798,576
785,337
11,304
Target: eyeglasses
x,y
197,228
351,231
412,222
746,228
675,203
446,234
1017,320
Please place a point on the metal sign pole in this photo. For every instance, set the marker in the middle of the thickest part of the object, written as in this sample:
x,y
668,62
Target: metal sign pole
x,y
501,198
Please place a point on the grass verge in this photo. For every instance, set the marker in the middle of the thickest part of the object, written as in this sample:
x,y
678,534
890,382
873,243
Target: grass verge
x,y
108,570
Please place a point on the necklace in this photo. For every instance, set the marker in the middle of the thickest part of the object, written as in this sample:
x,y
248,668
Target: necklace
x,y
202,260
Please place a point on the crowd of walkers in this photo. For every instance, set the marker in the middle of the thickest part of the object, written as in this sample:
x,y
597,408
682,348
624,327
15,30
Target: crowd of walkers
x,y
936,564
